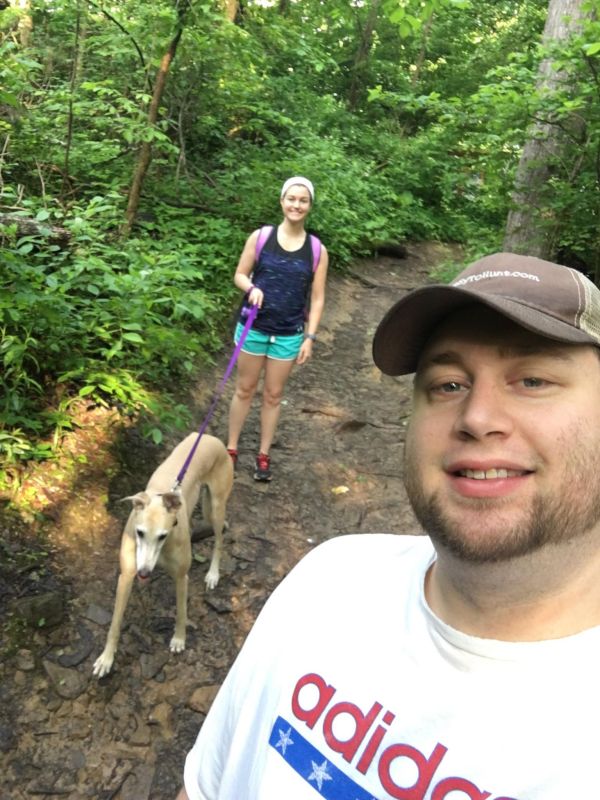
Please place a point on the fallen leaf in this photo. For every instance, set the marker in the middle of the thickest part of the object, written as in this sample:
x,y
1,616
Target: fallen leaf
x,y
340,490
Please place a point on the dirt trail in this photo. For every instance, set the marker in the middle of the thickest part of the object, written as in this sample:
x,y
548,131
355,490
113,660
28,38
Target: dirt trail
x,y
337,466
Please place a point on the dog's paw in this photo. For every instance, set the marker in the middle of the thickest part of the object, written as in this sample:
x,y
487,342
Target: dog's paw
x,y
212,578
177,644
103,664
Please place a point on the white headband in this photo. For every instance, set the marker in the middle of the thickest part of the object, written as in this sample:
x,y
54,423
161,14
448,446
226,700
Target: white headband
x,y
299,181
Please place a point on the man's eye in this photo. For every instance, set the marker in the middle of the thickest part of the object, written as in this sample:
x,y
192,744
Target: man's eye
x,y
448,387
533,383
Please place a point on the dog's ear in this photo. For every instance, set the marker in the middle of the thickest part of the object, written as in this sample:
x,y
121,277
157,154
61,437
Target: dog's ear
x,y
172,501
139,500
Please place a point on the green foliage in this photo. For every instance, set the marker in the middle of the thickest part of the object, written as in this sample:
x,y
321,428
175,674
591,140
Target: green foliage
x,y
424,147
109,321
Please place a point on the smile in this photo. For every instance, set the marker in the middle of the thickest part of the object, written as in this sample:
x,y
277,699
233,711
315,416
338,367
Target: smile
x,y
490,474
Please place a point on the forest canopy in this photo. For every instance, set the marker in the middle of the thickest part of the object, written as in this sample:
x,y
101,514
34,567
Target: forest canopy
x,y
140,144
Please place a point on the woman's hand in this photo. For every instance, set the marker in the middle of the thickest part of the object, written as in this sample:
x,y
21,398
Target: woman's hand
x,y
305,351
256,296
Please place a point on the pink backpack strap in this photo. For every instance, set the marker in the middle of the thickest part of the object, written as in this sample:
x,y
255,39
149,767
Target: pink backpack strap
x,y
266,231
263,235
316,251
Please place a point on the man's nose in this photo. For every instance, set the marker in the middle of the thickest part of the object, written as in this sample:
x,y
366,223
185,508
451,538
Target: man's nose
x,y
484,411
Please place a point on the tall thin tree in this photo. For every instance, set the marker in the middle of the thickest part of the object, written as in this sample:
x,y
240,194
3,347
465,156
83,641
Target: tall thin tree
x,y
145,154
526,232
361,58
76,68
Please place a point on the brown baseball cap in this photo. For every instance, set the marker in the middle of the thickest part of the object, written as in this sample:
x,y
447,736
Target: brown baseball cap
x,y
557,302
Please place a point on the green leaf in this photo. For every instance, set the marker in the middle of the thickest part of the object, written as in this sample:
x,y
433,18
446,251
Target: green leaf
x,y
8,98
156,435
397,15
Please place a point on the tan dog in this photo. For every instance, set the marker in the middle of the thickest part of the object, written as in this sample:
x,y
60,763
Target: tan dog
x,y
158,531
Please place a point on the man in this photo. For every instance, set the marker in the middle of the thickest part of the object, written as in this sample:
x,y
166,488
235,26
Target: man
x,y
462,664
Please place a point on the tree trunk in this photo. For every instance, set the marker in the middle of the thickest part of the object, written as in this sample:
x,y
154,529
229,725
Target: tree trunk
x,y
76,71
232,8
526,232
422,50
145,155
361,58
25,25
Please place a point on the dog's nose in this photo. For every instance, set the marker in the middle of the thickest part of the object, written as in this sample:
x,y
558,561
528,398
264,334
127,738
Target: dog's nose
x,y
144,574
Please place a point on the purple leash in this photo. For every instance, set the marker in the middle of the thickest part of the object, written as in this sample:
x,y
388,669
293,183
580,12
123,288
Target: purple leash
x,y
251,316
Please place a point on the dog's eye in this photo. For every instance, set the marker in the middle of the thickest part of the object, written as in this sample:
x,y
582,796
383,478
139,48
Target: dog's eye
x,y
161,537
140,533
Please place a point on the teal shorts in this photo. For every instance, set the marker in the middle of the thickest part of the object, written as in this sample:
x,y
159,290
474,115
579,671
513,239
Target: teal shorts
x,y
281,348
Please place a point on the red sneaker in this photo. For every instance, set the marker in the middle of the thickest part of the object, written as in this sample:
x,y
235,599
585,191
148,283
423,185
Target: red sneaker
x,y
263,468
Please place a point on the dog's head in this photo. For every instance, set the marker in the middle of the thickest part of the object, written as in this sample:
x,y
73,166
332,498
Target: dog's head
x,y
155,516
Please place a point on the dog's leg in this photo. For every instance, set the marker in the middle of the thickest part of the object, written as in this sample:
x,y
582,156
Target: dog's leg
x,y
218,524
104,662
181,592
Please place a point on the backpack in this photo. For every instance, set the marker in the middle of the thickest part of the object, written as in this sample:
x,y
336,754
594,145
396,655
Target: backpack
x,y
266,231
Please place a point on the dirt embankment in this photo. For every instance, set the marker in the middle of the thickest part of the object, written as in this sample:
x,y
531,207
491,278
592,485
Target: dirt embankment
x,y
337,465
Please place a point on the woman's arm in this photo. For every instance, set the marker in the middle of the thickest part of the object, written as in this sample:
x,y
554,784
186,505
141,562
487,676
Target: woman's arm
x,y
317,304
183,795
244,269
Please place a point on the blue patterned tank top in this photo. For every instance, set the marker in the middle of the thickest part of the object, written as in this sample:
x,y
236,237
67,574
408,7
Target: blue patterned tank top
x,y
285,278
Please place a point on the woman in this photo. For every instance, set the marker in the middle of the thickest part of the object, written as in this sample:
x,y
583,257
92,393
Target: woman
x,y
281,283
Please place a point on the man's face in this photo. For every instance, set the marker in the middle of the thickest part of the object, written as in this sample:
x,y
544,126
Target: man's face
x,y
503,448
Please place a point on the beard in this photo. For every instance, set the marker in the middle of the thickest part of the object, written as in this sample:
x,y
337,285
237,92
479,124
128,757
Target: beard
x,y
566,515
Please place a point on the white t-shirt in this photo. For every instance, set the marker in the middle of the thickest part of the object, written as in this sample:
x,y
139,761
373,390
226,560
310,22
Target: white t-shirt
x,y
349,688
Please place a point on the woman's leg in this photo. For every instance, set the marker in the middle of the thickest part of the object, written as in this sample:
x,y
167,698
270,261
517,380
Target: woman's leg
x,y
276,376
248,373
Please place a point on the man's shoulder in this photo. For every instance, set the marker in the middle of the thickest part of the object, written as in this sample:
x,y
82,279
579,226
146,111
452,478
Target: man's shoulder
x,y
395,542
363,550
346,569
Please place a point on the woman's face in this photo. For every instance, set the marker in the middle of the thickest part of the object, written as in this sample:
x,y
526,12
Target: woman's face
x,y
296,203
